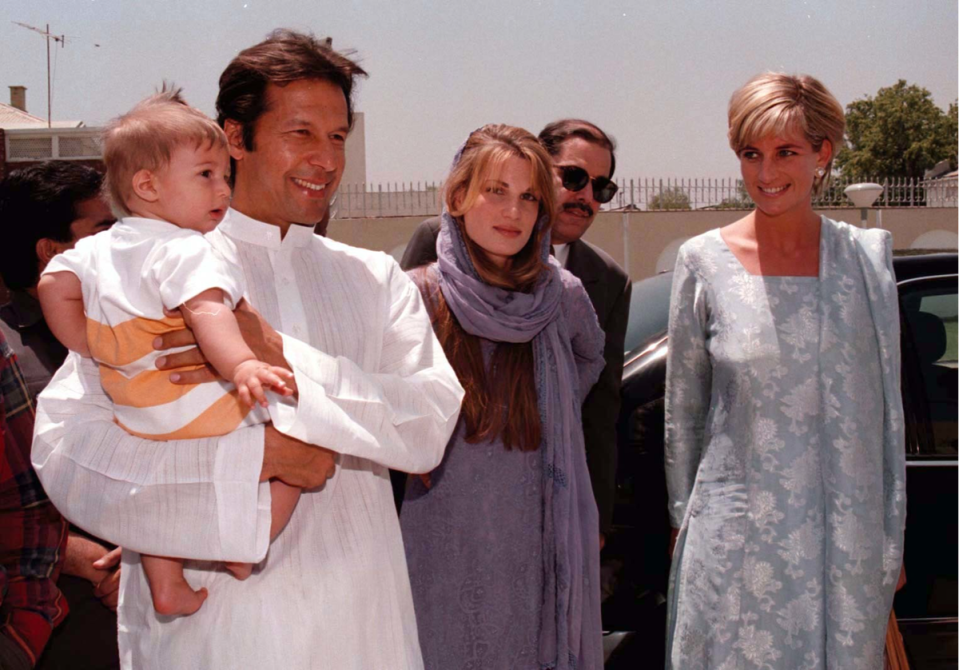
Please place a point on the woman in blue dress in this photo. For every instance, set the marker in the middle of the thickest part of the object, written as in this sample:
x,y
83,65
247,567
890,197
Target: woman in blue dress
x,y
502,539
785,461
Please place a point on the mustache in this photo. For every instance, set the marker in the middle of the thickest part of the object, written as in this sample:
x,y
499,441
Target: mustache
x,y
581,206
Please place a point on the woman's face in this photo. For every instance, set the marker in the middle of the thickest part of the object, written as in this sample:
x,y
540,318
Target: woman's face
x,y
505,212
779,172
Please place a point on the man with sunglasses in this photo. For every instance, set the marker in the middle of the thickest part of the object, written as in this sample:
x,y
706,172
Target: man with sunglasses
x,y
584,161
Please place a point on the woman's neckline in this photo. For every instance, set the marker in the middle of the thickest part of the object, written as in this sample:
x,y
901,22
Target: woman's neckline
x,y
728,249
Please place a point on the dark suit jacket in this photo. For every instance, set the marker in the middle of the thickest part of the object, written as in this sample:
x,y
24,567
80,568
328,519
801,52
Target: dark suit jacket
x,y
609,289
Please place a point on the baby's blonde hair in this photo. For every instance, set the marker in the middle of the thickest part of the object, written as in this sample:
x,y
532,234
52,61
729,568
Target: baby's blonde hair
x,y
146,137
774,104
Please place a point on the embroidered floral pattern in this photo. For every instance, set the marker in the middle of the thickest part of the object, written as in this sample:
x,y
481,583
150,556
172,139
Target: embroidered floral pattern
x,y
784,458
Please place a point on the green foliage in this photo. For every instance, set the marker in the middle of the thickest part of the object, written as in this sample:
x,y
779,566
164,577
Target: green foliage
x,y
740,201
952,130
670,198
899,133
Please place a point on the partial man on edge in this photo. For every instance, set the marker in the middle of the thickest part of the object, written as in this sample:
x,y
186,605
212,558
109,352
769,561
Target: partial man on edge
x,y
45,209
33,535
374,389
584,163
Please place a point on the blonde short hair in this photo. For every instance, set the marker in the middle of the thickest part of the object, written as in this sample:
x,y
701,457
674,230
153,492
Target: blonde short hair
x,y
774,104
146,137
483,155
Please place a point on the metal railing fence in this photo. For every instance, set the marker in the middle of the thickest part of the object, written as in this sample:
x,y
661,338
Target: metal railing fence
x,y
363,201
646,194
426,198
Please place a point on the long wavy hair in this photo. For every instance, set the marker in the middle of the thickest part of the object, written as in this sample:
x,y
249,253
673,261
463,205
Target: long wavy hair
x,y
501,403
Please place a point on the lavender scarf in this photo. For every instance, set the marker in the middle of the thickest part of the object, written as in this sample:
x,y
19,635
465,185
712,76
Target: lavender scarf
x,y
570,634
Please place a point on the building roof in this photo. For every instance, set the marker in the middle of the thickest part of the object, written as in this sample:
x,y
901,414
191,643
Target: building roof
x,y
12,118
951,176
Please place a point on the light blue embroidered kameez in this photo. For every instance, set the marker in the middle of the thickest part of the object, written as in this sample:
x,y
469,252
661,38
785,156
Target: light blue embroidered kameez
x,y
784,457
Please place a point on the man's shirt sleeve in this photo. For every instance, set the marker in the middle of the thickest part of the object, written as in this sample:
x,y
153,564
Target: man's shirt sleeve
x,y
199,499
401,415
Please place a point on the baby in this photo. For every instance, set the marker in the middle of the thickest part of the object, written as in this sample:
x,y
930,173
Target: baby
x,y
168,176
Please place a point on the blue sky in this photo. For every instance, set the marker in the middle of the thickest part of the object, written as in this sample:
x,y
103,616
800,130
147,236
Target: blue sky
x,y
657,75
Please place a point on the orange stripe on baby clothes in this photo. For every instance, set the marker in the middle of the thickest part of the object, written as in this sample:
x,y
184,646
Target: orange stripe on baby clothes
x,y
149,388
220,418
128,341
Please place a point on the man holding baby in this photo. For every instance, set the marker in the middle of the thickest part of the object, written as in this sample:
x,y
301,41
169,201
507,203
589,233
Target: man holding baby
x,y
373,391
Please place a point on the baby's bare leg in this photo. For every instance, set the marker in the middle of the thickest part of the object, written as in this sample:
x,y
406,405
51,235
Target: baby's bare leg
x,y
284,499
172,595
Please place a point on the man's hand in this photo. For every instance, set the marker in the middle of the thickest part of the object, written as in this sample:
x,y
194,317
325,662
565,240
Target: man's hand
x,y
202,371
108,588
263,340
294,462
93,562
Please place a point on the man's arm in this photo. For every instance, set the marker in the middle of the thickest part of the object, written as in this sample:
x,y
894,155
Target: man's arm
x,y
401,415
601,410
197,499
83,558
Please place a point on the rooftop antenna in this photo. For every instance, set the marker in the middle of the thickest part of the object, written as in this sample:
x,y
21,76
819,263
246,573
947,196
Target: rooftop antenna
x,y
62,39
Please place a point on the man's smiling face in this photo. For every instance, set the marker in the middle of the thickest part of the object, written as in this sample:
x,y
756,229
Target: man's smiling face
x,y
298,155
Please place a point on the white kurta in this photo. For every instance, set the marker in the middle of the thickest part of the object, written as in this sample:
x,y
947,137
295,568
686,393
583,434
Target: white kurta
x,y
374,386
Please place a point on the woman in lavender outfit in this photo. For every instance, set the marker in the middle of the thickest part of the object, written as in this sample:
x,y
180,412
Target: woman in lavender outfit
x,y
502,538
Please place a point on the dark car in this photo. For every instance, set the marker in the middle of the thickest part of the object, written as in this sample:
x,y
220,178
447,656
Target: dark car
x,y
635,561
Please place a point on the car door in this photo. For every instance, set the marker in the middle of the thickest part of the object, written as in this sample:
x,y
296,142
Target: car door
x,y
927,606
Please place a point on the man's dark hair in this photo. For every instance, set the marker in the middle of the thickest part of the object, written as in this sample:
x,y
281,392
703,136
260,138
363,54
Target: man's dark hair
x,y
282,58
557,132
39,202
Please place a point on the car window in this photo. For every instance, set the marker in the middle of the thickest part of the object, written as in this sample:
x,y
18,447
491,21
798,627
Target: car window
x,y
648,309
929,319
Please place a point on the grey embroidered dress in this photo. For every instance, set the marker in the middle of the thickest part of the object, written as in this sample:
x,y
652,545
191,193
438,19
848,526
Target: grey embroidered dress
x,y
784,457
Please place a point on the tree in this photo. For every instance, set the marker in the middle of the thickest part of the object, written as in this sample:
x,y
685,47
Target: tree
x,y
952,130
672,197
899,133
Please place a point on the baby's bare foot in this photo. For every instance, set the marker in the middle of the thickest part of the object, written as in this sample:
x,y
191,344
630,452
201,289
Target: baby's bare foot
x,y
176,598
239,570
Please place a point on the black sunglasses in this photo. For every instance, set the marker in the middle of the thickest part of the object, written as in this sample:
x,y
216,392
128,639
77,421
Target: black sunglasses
x,y
575,179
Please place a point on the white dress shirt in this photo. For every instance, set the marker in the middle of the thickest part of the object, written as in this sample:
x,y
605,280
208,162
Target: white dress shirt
x,y
561,253
374,386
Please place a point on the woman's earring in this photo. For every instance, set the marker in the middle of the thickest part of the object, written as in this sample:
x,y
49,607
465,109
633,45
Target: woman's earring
x,y
820,172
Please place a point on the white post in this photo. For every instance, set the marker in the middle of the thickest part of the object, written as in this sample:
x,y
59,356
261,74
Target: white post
x,y
862,196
